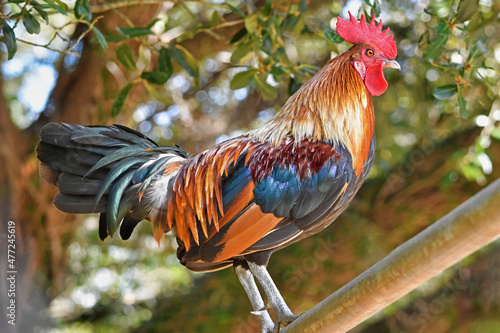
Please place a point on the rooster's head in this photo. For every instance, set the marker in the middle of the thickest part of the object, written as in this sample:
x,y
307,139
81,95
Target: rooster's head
x,y
376,50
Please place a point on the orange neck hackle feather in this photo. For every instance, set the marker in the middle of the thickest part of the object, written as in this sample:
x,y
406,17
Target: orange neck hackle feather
x,y
333,106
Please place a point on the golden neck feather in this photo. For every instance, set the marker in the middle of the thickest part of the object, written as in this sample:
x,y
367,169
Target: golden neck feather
x,y
333,106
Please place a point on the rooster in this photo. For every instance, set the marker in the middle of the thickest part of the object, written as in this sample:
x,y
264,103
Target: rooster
x,y
238,202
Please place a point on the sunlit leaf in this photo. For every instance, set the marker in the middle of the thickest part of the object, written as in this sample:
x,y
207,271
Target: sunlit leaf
x,y
333,36
9,39
466,8
475,21
185,59
119,102
266,90
242,50
31,23
251,23
445,92
215,18
125,56
58,5
495,133
242,79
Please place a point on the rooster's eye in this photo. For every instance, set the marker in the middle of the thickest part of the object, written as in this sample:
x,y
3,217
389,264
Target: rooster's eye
x,y
370,52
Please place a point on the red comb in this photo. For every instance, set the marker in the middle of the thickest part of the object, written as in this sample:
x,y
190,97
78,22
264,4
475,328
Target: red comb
x,y
355,32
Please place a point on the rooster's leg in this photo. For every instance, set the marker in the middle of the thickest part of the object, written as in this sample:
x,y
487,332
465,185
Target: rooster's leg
x,y
283,312
248,282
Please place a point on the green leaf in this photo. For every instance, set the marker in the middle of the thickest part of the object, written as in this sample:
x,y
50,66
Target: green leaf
x,y
58,5
495,133
15,16
100,38
435,48
478,49
445,92
136,31
333,36
475,21
115,38
9,39
40,10
117,106
185,60
290,22
462,104
424,41
31,23
215,18
82,10
242,50
471,172
165,62
466,8
443,28
303,6
267,8
156,77
242,79
125,56
277,70
266,90
152,23
251,23
236,10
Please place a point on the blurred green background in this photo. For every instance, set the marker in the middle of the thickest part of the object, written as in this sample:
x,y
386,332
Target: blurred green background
x,y
195,73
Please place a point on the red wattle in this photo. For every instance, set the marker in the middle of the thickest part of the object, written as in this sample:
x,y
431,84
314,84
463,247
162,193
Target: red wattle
x,y
375,81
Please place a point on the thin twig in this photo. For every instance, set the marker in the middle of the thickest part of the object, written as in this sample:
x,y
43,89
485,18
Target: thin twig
x,y
451,11
47,47
89,29
227,24
128,3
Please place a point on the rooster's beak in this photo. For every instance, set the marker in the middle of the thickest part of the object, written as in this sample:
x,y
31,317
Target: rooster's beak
x,y
391,64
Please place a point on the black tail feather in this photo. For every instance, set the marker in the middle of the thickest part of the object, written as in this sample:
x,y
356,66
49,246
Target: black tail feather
x,y
68,152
